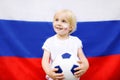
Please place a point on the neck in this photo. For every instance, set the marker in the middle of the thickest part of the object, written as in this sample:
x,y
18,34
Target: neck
x,y
63,37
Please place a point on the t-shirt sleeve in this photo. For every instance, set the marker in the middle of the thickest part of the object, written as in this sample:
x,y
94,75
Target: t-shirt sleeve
x,y
79,42
46,45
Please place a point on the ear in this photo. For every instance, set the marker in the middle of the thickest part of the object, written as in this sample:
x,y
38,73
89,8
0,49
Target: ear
x,y
70,29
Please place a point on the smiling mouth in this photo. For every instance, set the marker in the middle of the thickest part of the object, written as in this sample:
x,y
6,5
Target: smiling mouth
x,y
59,28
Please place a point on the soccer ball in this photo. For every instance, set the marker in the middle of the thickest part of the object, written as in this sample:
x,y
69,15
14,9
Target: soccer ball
x,y
66,63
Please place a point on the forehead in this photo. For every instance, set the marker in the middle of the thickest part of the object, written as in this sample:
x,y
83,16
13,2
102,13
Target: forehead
x,y
61,15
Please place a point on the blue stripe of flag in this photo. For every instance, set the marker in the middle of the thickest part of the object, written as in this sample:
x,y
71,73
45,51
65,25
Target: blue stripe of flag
x,y
25,38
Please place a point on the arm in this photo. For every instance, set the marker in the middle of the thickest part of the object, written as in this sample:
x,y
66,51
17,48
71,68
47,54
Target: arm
x,y
46,67
45,61
84,65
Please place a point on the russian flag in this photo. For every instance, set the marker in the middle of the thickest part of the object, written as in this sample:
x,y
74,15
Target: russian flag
x,y
26,24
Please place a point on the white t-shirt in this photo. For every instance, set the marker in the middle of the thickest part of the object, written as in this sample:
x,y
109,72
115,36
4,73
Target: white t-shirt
x,y
57,46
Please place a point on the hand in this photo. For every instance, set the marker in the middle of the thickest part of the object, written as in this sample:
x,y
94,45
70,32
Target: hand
x,y
80,70
55,76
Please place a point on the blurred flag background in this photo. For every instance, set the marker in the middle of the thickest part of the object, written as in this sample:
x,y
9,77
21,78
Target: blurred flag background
x,y
26,24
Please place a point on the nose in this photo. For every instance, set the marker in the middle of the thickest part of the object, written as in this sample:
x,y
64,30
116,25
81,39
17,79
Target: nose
x,y
58,22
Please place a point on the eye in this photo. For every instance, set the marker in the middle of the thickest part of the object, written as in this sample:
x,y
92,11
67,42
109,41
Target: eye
x,y
64,21
56,19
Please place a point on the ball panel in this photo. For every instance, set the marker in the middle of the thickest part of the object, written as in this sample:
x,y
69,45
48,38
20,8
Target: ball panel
x,y
66,56
72,70
59,69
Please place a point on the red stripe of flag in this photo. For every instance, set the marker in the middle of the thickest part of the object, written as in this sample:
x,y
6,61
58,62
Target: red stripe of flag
x,y
14,68
103,68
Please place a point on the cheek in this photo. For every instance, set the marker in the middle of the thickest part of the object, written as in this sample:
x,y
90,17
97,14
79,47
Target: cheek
x,y
66,28
66,25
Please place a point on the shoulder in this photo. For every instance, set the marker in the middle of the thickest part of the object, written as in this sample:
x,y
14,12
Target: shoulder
x,y
75,38
48,42
51,38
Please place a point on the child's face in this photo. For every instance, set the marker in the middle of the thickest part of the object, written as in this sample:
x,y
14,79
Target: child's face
x,y
61,24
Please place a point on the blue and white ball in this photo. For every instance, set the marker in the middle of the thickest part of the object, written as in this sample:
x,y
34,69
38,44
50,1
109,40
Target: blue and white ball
x,y
66,64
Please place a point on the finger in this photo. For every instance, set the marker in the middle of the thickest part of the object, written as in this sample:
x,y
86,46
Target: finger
x,y
77,76
78,68
80,62
55,69
60,76
79,73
